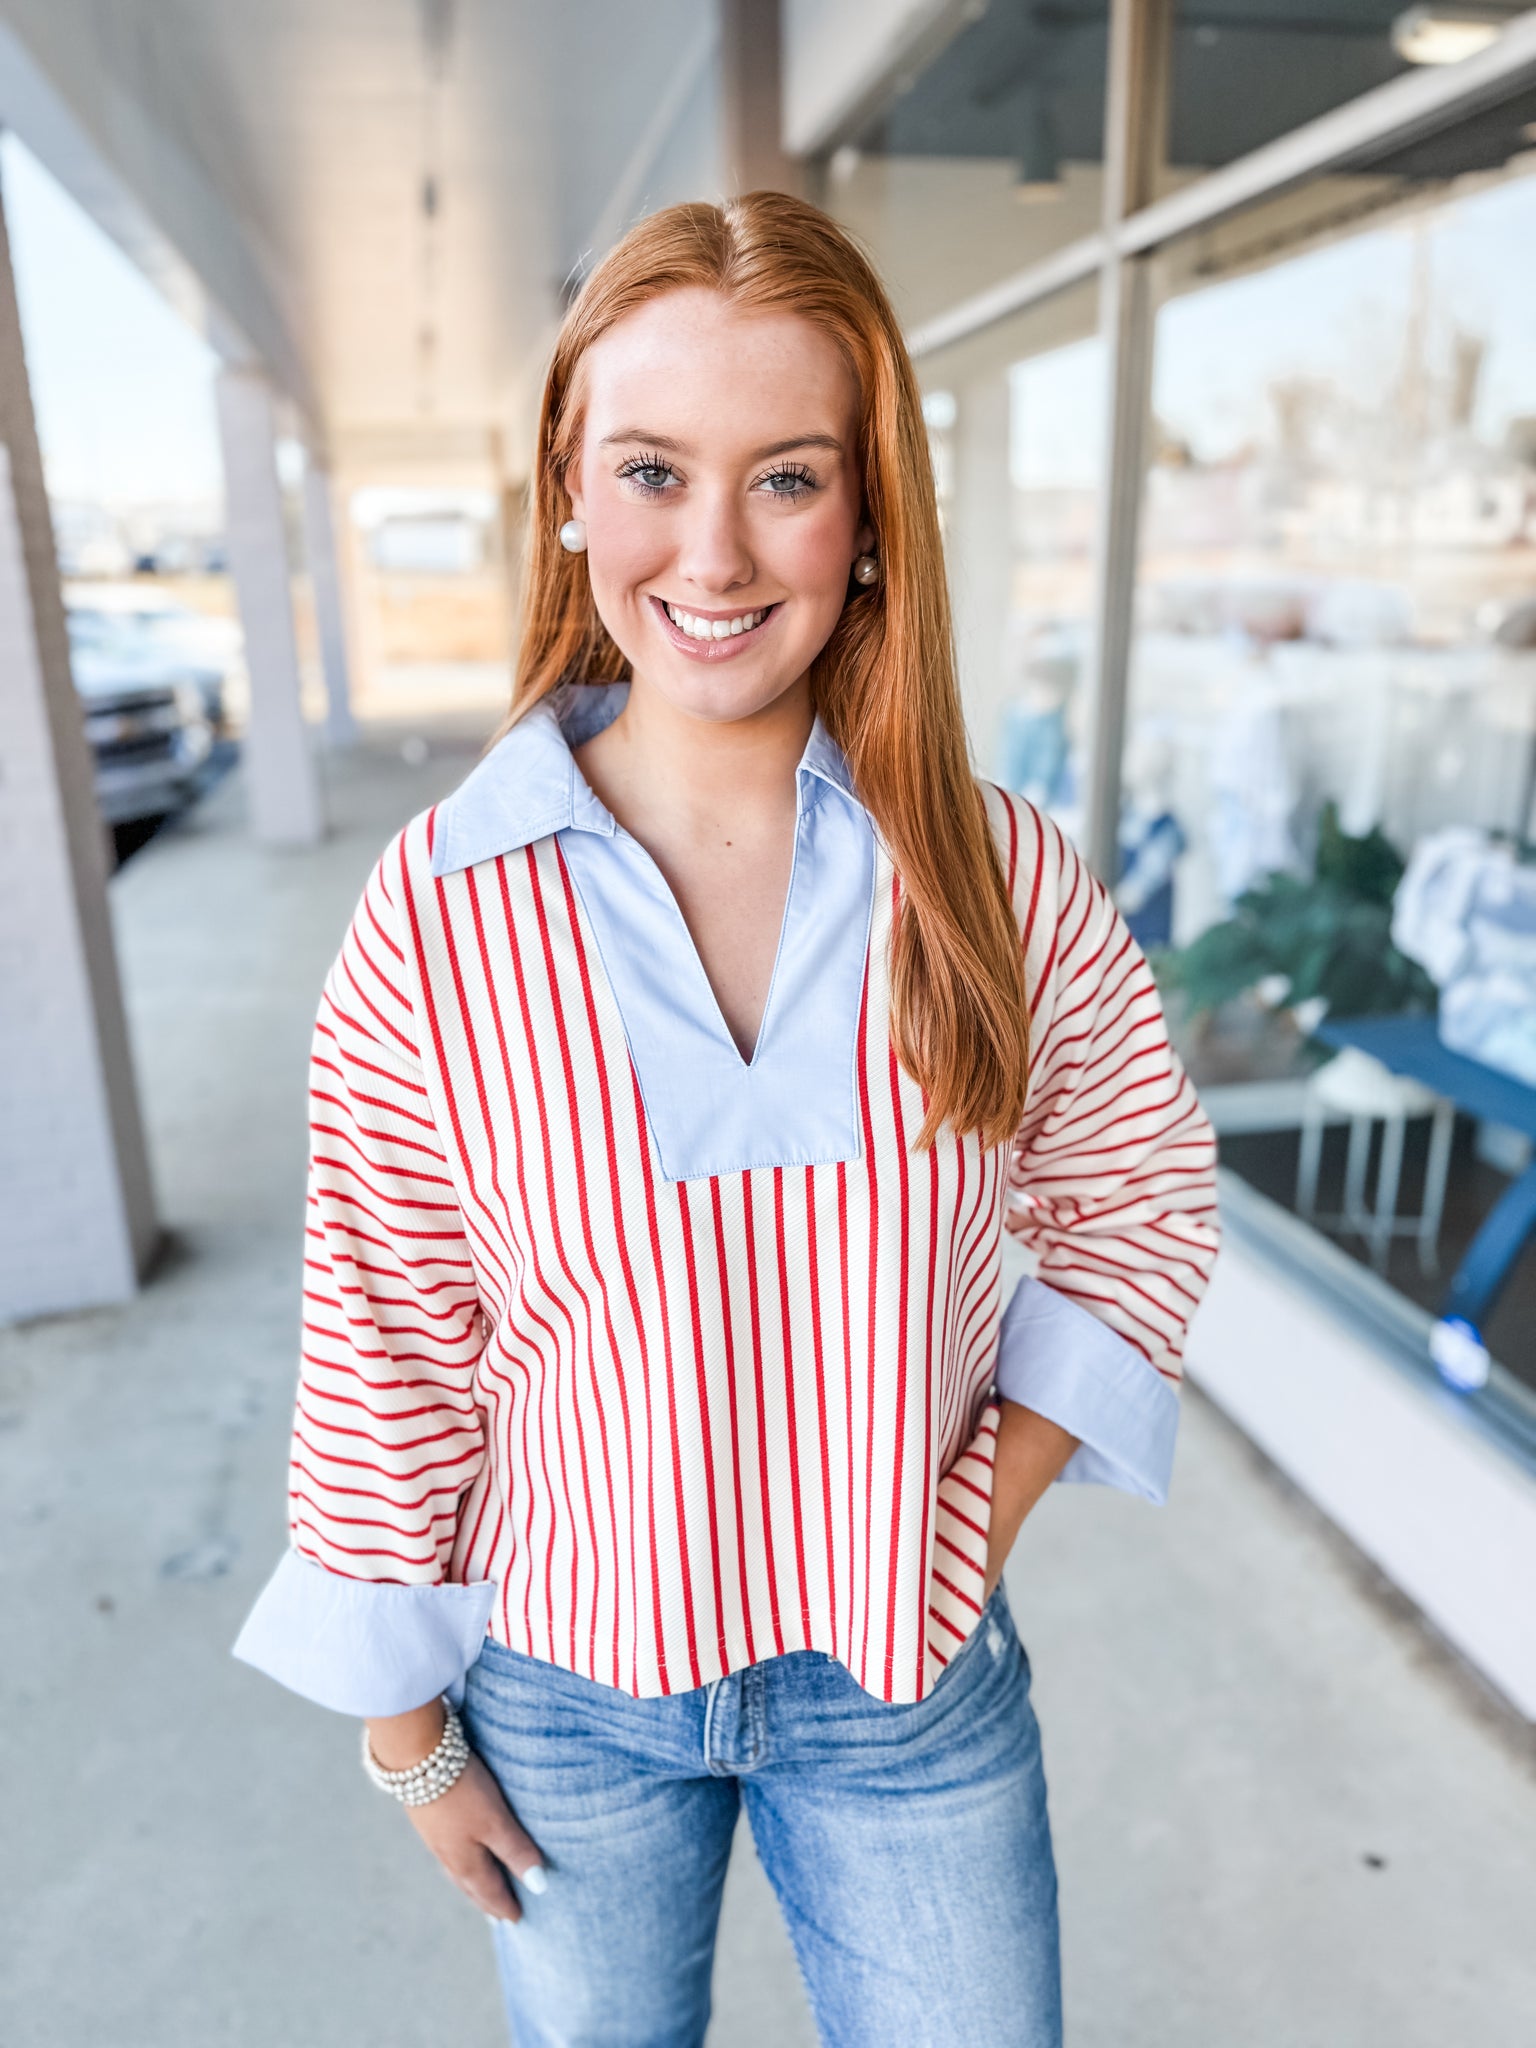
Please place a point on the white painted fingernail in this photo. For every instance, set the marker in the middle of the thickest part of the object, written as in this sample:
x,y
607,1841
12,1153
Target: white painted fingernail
x,y
535,1878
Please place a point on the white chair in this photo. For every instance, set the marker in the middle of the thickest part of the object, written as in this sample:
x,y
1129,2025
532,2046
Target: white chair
x,y
1359,1090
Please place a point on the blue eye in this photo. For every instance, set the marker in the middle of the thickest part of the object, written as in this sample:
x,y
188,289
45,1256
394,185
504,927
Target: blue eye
x,y
798,479
648,474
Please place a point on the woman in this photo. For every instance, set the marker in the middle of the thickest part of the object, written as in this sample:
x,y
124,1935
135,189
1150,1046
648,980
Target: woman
x,y
671,1091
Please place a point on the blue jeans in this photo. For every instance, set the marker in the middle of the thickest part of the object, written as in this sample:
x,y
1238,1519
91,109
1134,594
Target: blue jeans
x,y
908,1845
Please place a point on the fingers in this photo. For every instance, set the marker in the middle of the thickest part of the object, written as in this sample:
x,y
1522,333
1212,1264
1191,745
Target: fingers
x,y
481,1878
493,1822
513,1847
475,1836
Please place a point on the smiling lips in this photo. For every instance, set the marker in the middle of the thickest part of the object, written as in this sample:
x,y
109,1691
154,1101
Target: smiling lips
x,y
705,633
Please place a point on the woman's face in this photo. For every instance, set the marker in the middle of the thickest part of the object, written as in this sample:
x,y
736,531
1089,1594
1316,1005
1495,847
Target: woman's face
x,y
718,479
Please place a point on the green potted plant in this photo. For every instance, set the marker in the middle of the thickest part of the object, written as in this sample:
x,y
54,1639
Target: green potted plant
x,y
1317,944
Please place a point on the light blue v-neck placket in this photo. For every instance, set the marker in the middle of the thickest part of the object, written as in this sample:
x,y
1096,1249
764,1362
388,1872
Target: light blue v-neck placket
x,y
710,1111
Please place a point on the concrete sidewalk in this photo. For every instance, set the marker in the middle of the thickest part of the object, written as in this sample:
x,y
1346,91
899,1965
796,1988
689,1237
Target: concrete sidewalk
x,y
1285,1817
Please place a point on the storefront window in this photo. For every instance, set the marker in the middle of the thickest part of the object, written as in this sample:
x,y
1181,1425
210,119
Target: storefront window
x,y
1015,419
1055,452
1334,676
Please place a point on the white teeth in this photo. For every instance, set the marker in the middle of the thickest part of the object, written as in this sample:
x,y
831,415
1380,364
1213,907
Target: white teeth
x,y
713,629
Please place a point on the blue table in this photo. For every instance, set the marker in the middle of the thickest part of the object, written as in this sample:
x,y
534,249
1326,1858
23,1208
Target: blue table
x,y
1411,1046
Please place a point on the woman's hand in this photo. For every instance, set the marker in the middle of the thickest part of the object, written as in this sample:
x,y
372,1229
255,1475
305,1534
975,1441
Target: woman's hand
x,y
470,1828
471,1831
1030,1453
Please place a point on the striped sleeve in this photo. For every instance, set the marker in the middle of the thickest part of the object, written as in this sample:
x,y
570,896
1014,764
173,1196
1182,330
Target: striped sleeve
x,y
962,1539
1111,1178
387,1437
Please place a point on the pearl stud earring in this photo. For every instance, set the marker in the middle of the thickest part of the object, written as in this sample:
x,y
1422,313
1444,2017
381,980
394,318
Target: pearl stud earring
x,y
865,569
573,536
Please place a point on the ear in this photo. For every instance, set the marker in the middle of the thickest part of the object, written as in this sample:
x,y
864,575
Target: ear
x,y
866,539
569,484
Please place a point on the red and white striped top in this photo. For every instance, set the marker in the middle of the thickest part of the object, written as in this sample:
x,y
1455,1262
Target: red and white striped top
x,y
688,1424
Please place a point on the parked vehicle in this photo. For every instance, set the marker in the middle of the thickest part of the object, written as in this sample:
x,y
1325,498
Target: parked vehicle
x,y
204,651
146,720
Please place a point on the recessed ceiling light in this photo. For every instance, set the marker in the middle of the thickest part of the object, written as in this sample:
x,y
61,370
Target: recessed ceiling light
x,y
1446,32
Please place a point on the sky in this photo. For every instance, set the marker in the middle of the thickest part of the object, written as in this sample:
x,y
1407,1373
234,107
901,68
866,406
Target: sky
x,y
121,385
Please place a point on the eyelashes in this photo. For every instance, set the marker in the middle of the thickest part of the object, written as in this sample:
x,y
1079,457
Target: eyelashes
x,y
634,473
642,472
803,479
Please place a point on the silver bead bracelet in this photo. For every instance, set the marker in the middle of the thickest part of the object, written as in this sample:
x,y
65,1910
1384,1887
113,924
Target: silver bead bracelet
x,y
430,1778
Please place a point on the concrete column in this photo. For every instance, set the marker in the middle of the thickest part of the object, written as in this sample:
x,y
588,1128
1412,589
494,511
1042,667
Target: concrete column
x,y
751,106
280,774
325,574
514,509
364,650
77,1216
981,557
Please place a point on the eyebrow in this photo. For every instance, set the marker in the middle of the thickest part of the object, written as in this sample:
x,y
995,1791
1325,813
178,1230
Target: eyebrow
x,y
671,447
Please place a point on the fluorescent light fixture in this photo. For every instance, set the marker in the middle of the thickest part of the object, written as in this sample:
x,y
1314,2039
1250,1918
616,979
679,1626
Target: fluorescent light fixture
x,y
1445,32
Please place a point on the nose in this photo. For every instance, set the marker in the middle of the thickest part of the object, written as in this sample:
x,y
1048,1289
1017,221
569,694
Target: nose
x,y
713,554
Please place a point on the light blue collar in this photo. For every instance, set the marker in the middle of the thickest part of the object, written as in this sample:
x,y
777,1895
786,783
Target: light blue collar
x,y
528,785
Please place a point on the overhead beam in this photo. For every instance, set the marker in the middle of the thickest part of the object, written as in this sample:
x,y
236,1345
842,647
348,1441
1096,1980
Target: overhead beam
x,y
1072,264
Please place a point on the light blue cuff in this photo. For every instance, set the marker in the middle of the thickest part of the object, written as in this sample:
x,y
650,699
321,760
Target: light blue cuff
x,y
361,1647
1064,1363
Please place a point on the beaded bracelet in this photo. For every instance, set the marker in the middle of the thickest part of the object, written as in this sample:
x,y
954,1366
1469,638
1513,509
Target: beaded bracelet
x,y
430,1778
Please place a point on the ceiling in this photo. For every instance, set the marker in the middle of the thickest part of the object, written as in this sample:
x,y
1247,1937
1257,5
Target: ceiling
x,y
1243,72
381,198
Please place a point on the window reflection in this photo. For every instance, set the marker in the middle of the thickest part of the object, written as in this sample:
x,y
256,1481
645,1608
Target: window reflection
x,y
1335,667
1015,427
1054,456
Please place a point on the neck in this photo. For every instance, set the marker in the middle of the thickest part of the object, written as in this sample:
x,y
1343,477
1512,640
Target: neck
x,y
659,760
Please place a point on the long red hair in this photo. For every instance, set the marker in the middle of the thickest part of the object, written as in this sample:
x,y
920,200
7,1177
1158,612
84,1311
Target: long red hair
x,y
884,684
